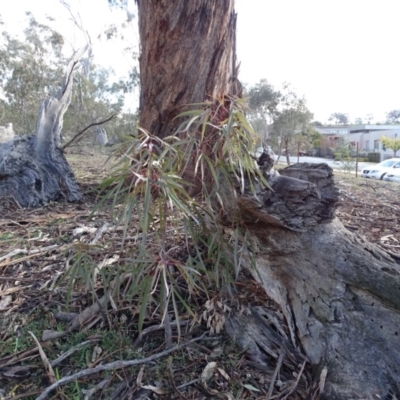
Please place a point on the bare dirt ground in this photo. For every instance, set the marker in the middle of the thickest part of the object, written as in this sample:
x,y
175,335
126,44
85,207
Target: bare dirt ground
x,y
36,247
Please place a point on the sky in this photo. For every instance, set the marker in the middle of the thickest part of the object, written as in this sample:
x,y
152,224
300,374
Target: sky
x,y
341,55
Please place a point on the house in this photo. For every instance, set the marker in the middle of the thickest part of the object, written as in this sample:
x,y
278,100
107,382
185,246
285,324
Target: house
x,y
368,138
331,136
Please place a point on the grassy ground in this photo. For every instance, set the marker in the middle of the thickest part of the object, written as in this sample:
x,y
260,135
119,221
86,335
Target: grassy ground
x,y
39,300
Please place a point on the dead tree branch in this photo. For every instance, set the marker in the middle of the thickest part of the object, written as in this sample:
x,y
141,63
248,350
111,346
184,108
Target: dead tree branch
x,y
79,136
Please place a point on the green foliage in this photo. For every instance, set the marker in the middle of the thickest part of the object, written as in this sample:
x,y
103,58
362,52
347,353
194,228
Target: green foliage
x,y
263,101
146,191
339,118
343,156
293,120
32,68
281,118
374,157
393,117
391,143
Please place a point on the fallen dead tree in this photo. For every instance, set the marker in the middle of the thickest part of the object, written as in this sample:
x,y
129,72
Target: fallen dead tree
x,y
33,169
338,295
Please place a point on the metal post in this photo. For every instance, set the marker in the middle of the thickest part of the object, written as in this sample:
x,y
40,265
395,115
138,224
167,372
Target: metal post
x,y
298,152
357,161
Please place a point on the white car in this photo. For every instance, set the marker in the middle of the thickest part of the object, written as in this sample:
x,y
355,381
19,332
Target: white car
x,y
379,171
392,177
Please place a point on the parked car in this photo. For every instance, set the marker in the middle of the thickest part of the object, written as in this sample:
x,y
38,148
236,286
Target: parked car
x,y
379,171
392,177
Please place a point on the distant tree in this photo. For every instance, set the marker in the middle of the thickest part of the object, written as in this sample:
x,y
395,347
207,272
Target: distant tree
x,y
391,143
31,69
393,117
314,139
369,117
263,101
293,119
358,121
317,124
339,118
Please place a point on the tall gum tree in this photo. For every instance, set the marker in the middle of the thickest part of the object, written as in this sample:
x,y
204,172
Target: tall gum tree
x,y
187,56
338,296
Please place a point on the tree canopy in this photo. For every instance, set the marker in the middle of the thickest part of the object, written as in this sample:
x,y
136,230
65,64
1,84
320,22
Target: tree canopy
x,y
391,143
393,117
31,69
339,118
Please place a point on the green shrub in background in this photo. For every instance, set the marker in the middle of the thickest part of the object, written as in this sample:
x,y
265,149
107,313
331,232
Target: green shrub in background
x,y
374,157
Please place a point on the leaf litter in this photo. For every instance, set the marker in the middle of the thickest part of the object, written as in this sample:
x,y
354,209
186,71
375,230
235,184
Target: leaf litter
x,y
36,250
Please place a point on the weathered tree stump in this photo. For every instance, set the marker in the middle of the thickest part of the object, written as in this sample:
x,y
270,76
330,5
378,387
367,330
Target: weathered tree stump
x,y
339,294
33,169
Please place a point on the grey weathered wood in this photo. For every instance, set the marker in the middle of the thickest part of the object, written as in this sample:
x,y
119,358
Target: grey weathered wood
x,y
339,294
33,169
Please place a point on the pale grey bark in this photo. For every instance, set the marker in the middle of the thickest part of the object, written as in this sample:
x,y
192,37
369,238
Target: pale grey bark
x,y
338,293
101,136
33,169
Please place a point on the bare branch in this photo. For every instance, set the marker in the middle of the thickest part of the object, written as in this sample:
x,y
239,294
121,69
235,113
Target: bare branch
x,y
113,366
80,133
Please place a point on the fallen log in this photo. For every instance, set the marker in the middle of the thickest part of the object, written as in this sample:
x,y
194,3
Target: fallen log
x,y
339,295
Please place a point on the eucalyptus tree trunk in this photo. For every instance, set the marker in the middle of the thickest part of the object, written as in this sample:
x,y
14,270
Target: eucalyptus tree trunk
x,y
33,169
187,56
337,297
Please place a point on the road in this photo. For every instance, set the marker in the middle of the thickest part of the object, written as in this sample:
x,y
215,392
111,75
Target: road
x,y
316,160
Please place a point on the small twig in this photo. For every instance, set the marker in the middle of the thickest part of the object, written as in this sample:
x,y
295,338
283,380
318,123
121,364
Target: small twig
x,y
101,385
70,351
156,328
113,366
10,278
188,383
100,232
297,381
29,252
80,133
118,390
49,369
277,369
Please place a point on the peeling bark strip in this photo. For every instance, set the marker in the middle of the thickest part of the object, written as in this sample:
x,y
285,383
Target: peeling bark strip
x,y
187,56
340,294
33,169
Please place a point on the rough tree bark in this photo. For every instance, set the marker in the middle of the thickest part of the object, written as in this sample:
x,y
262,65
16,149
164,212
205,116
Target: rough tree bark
x,y
187,56
338,295
33,169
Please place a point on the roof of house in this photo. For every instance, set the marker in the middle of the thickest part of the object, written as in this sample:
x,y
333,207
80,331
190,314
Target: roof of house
x,y
363,128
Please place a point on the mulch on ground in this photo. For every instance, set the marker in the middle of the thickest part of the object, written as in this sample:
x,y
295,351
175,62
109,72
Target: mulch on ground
x,y
36,247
